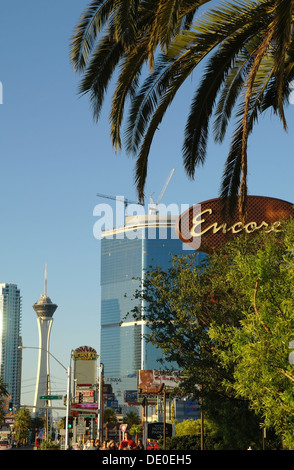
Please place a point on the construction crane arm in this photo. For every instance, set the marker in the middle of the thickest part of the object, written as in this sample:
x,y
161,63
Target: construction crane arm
x,y
165,186
114,198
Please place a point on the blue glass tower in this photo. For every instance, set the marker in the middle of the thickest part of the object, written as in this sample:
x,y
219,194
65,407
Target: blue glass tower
x,y
126,253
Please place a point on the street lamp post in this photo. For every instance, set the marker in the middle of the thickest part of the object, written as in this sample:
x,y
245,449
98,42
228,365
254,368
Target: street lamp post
x,y
68,402
68,389
100,404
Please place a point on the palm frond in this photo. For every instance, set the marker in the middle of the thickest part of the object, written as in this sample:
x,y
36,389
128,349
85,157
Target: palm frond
x,y
143,105
99,72
231,179
216,72
126,86
228,96
172,84
246,46
85,34
124,17
282,31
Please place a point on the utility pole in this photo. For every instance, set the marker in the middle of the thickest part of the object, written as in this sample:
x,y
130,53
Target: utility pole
x,y
100,402
47,388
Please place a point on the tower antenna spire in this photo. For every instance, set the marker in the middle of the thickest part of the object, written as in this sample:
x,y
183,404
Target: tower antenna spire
x,y
45,290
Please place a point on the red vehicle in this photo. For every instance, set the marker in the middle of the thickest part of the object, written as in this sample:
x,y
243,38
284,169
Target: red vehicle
x,y
153,445
38,441
5,445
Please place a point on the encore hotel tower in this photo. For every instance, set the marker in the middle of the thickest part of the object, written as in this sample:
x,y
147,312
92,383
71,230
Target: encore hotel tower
x,y
126,253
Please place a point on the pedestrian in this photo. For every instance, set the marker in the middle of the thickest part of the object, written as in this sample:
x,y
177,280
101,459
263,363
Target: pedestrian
x,y
127,443
97,444
140,445
91,445
112,446
105,445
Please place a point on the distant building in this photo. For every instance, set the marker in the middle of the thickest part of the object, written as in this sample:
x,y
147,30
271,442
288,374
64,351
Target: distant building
x,y
10,339
126,254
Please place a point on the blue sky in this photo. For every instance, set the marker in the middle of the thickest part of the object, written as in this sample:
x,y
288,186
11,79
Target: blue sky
x,y
55,159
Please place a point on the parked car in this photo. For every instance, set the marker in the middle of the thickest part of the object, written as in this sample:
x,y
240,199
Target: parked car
x,y
5,445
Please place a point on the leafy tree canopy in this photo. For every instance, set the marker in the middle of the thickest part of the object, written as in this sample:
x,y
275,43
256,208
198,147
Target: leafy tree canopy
x,y
227,323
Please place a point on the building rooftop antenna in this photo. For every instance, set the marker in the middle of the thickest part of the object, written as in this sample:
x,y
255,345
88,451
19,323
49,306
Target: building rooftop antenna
x,y
45,288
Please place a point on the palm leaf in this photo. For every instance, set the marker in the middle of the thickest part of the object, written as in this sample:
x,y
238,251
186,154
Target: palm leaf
x,y
85,35
99,72
124,18
126,85
216,72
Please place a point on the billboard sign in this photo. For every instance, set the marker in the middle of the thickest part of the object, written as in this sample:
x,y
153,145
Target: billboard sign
x,y
130,396
150,381
85,406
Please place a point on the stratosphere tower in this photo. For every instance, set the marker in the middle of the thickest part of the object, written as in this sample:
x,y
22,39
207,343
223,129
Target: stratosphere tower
x,y
44,310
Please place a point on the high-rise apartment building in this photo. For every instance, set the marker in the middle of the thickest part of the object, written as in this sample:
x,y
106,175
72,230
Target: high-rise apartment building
x,y
126,254
10,339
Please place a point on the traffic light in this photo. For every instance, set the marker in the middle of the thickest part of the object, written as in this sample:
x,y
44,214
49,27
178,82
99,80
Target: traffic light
x,y
81,397
10,406
70,424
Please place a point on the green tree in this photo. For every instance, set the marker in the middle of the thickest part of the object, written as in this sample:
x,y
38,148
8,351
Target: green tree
x,y
189,427
61,423
136,430
38,423
3,389
131,419
259,348
3,394
181,304
22,424
109,416
227,323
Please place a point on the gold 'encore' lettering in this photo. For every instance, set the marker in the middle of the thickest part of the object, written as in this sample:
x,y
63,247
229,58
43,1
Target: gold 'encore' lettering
x,y
235,228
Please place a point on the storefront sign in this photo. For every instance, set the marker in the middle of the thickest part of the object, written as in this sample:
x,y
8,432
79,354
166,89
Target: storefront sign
x,y
155,430
85,353
90,406
203,226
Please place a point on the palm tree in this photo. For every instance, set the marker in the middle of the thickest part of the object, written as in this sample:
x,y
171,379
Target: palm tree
x,y
109,416
247,48
132,418
123,35
22,424
3,389
3,394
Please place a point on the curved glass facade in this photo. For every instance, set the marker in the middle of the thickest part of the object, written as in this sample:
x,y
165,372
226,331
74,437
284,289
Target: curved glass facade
x,y
125,254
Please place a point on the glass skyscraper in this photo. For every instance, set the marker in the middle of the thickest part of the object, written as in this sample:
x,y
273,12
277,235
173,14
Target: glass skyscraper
x,y
126,253
10,339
